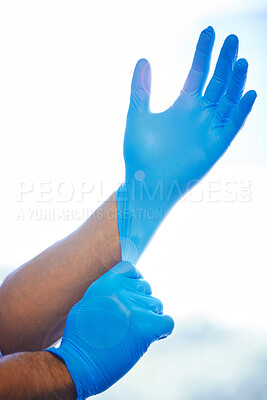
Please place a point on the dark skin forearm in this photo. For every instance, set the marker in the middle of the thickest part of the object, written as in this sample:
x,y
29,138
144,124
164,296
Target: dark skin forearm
x,y
36,298
35,376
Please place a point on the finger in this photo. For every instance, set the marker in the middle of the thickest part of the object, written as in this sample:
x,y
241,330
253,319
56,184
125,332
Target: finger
x,y
122,272
201,62
138,285
126,269
141,86
148,302
218,83
234,91
160,326
238,117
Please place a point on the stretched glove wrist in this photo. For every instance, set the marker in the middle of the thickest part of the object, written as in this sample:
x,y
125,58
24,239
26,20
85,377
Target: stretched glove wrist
x,y
141,209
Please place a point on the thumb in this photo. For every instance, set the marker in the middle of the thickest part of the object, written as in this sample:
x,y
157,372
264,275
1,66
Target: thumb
x,y
126,269
141,86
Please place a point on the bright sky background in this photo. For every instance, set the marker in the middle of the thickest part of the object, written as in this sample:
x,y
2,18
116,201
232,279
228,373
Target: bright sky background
x,y
65,76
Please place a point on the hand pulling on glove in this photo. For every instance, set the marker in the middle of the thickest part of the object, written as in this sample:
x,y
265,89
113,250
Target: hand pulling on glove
x,y
108,331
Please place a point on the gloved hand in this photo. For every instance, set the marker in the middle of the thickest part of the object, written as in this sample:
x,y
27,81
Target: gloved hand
x,y
110,329
167,153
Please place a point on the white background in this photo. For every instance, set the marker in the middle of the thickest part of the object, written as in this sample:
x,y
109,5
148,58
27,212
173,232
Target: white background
x,y
65,76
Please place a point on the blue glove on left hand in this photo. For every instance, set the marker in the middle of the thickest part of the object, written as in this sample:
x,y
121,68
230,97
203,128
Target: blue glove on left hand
x,y
167,153
110,329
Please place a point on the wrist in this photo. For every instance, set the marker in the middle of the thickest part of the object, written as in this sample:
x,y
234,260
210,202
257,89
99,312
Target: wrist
x,y
58,376
79,369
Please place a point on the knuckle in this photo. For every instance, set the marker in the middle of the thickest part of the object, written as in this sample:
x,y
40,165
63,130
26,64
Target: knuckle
x,y
158,305
144,286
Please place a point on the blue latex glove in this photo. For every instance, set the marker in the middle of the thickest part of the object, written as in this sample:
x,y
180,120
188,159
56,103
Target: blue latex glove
x,y
167,153
108,331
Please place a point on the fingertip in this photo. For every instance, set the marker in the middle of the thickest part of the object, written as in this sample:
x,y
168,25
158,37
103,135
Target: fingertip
x,y
142,62
252,94
143,67
126,268
206,40
232,39
241,64
231,44
247,101
141,85
210,29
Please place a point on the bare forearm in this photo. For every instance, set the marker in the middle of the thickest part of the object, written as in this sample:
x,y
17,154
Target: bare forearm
x,y
36,298
35,376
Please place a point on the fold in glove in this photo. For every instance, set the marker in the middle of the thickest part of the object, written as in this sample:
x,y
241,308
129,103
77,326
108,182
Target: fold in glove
x,y
167,153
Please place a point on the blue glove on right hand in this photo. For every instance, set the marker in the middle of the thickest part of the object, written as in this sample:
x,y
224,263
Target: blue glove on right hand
x,y
167,153
110,329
